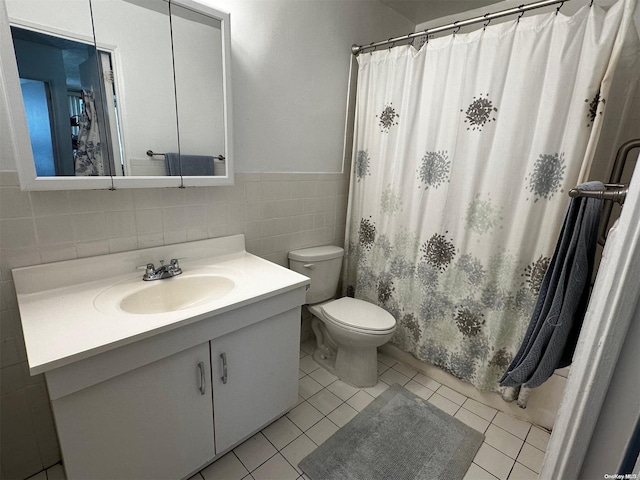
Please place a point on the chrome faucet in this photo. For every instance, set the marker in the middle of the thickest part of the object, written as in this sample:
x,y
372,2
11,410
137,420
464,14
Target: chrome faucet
x,y
164,271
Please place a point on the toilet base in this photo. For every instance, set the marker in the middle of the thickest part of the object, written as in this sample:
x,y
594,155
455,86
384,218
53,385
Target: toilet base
x,y
358,366
355,367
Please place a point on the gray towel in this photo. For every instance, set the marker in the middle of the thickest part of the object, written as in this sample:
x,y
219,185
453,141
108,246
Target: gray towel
x,y
188,165
557,318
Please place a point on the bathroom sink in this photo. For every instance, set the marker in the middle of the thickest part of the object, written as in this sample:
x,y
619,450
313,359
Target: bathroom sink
x,y
162,296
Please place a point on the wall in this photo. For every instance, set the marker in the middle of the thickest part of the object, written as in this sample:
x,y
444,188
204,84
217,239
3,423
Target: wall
x,y
290,71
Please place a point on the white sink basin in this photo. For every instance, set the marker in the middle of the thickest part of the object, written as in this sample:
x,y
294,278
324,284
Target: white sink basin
x,y
167,295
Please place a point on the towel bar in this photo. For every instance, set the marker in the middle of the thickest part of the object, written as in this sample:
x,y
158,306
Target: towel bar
x,y
613,191
151,153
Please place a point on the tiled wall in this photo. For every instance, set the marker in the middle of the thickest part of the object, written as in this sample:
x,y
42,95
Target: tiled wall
x,y
276,212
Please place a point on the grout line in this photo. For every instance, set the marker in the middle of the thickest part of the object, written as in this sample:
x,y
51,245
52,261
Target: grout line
x,y
488,472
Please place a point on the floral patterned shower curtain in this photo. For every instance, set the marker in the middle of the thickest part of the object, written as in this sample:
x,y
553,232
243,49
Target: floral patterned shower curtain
x,y
463,155
88,159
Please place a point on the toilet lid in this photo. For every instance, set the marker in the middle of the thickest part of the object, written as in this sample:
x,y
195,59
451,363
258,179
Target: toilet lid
x,y
356,313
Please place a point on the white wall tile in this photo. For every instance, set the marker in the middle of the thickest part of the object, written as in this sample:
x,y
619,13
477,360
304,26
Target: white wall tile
x,y
17,233
54,229
14,203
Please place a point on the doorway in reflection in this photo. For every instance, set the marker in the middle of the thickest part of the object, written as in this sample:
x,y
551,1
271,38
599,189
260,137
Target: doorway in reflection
x,y
63,87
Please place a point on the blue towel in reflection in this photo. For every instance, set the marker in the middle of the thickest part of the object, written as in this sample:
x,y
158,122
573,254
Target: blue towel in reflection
x,y
192,165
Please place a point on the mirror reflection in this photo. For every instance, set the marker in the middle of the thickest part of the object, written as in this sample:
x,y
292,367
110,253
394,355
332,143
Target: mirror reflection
x,y
64,105
197,49
146,98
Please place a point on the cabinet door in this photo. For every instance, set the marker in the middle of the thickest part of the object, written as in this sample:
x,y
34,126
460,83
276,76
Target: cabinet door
x,y
261,380
154,422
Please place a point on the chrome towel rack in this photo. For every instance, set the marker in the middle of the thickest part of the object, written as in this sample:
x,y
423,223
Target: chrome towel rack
x,y
614,190
151,153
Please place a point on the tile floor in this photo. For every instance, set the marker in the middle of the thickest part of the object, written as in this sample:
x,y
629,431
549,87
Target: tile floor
x,y
513,449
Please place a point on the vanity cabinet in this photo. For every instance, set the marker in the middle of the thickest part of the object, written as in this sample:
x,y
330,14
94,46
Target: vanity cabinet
x,y
151,422
253,370
169,418
160,395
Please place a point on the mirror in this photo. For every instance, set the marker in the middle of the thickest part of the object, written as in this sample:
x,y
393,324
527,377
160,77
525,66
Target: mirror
x,y
144,103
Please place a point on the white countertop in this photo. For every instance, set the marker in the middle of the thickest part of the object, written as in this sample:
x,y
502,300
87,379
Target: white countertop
x,y
62,325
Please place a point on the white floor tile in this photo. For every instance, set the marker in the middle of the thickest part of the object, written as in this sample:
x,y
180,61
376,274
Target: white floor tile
x,y
56,472
405,370
520,472
382,367
304,416
227,467
282,432
307,387
474,421
493,461
444,403
276,468
323,377
39,476
419,389
308,364
428,382
303,353
255,451
387,360
308,346
297,450
342,390
360,400
325,401
480,409
477,473
392,376
248,477
197,476
538,438
377,389
341,415
321,431
504,441
452,395
300,374
531,457
519,428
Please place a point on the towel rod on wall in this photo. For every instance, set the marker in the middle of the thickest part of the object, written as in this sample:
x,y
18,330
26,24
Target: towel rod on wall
x,y
151,153
614,191
356,49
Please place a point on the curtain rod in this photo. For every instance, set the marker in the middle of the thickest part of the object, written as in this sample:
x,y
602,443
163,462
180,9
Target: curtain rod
x,y
356,49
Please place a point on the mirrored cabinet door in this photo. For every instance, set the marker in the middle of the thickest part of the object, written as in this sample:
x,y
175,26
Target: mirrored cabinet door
x,y
197,49
134,37
61,88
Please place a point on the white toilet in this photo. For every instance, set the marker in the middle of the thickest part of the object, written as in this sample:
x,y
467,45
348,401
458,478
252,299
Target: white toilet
x,y
348,331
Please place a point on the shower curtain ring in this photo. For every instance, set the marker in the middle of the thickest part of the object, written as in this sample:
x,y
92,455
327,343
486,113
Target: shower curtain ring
x,y
391,44
521,13
558,9
411,39
457,29
488,22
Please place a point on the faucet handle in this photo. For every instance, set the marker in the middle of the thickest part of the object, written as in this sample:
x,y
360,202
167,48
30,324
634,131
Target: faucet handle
x,y
175,266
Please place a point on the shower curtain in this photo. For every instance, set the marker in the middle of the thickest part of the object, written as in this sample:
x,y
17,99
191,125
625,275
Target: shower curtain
x,y
88,159
464,152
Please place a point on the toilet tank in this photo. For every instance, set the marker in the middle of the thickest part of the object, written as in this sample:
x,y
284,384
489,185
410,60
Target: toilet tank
x,y
322,265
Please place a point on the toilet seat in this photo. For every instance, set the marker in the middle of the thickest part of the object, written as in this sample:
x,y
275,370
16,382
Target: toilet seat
x,y
359,316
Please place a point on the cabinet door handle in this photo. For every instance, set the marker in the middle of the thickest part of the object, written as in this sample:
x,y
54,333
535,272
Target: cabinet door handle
x,y
223,356
203,381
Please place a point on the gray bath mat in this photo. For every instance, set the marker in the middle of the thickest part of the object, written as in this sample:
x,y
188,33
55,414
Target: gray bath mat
x,y
398,436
